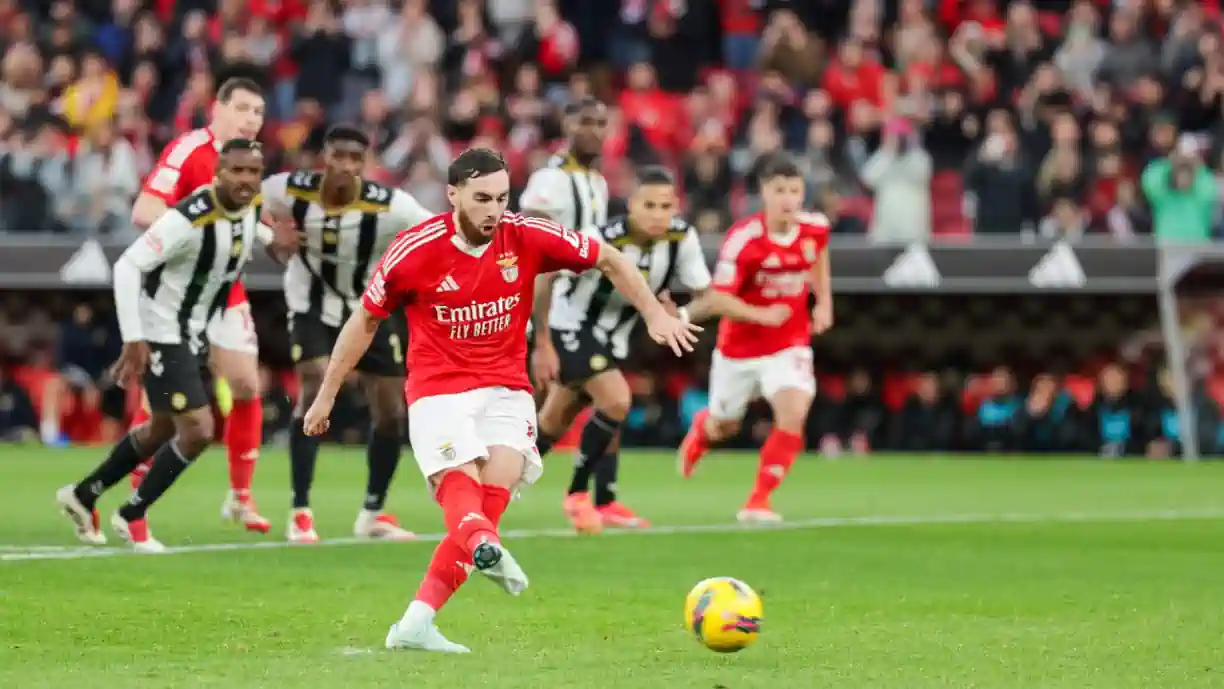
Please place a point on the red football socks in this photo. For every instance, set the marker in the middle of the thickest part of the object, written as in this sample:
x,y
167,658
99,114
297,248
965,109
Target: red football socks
x,y
777,455
698,430
448,570
462,500
496,499
243,433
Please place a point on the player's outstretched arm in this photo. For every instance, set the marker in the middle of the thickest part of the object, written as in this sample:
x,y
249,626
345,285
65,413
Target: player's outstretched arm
x,y
711,303
663,327
354,339
822,285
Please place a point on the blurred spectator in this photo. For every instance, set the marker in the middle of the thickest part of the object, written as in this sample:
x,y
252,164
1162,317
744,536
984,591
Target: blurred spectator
x,y
18,423
1047,422
1113,422
105,182
928,421
858,424
900,175
997,426
1183,194
405,47
1000,180
840,223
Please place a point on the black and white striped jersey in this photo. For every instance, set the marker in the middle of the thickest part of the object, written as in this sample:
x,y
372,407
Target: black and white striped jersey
x,y
172,279
589,302
574,196
342,245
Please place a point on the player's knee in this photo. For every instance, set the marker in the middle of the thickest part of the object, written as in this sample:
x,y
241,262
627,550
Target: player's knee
x,y
154,433
790,413
721,429
617,407
194,431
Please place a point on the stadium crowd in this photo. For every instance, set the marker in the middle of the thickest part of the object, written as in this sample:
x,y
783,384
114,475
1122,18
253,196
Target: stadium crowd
x,y
914,121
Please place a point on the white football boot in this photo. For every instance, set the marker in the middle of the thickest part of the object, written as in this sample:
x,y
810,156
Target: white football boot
x,y
421,638
496,563
301,526
245,513
758,515
137,534
85,521
380,526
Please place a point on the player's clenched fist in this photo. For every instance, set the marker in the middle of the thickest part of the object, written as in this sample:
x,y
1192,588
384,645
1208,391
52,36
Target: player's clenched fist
x,y
316,421
673,332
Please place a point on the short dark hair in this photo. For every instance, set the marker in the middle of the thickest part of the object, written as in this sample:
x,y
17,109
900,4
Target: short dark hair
x,y
578,106
655,175
474,163
776,165
240,145
346,132
235,84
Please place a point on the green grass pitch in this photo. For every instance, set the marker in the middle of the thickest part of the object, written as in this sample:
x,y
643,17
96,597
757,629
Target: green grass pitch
x,y
897,573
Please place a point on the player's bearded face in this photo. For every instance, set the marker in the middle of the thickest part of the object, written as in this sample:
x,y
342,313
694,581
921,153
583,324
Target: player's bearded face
x,y
480,204
783,197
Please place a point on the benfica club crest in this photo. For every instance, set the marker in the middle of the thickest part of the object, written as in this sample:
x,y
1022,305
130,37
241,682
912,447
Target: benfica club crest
x,y
509,267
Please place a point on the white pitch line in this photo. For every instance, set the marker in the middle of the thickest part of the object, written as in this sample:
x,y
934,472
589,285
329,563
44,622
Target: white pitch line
x,y
28,553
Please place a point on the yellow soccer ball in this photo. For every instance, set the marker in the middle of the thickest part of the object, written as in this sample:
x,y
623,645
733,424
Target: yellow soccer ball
x,y
724,614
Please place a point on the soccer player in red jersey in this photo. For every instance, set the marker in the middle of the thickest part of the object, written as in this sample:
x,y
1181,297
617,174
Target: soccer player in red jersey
x,y
465,281
773,257
188,163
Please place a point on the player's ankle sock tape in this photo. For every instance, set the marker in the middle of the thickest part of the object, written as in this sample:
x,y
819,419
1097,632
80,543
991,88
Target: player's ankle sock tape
x,y
303,450
495,501
606,470
123,459
597,435
168,464
382,458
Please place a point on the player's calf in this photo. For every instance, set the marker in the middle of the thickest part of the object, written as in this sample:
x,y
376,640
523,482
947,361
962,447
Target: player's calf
x,y
193,434
704,432
382,459
779,452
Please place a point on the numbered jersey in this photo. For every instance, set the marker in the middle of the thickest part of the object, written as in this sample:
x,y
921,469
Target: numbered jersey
x,y
763,270
326,277
588,302
190,259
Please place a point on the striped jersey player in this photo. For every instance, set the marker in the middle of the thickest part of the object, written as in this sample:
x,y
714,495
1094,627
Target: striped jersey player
x,y
346,223
186,164
168,285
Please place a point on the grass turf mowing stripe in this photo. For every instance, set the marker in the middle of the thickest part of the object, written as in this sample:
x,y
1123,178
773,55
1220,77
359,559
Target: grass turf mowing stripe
x,y
31,553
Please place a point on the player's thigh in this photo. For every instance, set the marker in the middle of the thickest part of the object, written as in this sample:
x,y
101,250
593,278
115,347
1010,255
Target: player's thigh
x,y
734,383
442,430
581,357
610,394
789,383
385,356
175,382
560,408
509,421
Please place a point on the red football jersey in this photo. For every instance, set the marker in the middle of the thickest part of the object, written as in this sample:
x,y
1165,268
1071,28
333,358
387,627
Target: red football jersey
x,y
764,270
468,306
186,164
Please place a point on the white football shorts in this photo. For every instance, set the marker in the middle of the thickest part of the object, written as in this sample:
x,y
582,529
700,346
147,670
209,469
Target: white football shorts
x,y
735,383
447,431
233,328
